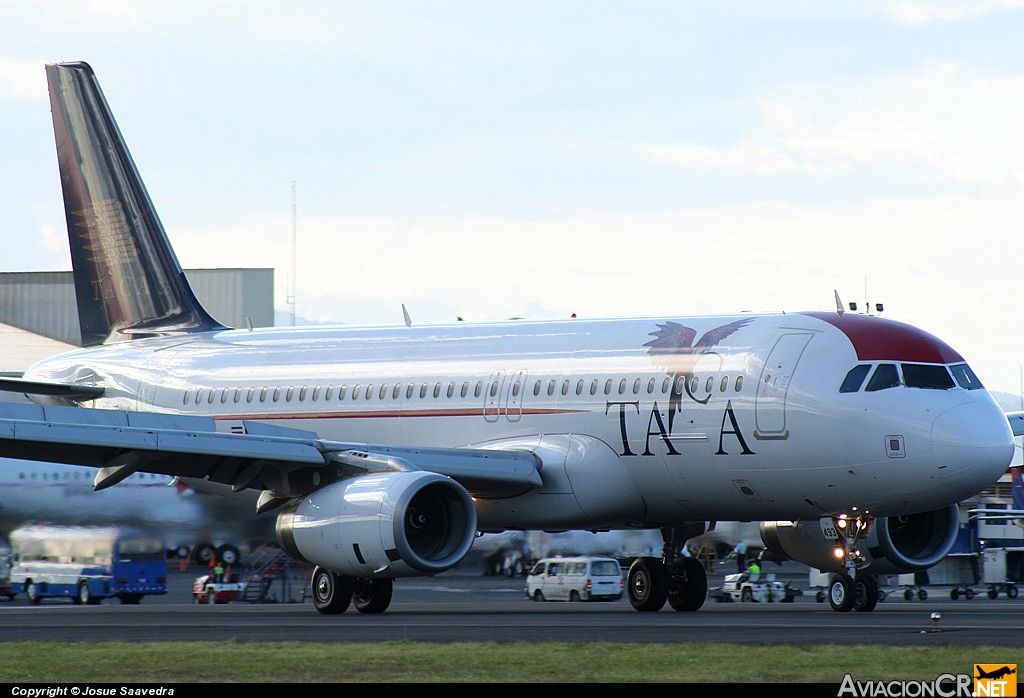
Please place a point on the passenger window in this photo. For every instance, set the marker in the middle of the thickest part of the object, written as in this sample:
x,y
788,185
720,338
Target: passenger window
x,y
409,390
494,388
855,378
451,390
277,393
302,393
608,387
565,387
694,383
251,395
263,394
593,387
709,385
885,376
396,391
341,392
369,391
665,384
329,392
551,387
465,389
316,393
650,386
724,384
579,387
184,400
289,393
622,386
636,386
536,388
423,391
383,391
437,390
356,390
478,390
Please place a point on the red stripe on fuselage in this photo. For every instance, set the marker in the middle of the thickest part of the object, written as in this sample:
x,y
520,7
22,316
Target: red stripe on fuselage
x,y
876,339
366,414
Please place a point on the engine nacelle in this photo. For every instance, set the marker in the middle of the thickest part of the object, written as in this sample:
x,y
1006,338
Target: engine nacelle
x,y
895,545
393,524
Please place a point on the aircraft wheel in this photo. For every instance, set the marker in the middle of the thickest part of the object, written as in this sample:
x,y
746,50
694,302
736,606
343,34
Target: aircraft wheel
x,y
993,592
332,593
865,593
969,594
841,593
372,595
648,584
820,597
954,593
228,555
922,594
908,595
688,591
203,554
1011,592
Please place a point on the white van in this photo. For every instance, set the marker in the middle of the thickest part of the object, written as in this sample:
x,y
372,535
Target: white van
x,y
575,579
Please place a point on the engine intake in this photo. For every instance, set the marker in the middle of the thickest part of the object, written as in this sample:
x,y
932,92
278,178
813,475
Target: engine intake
x,y
895,545
393,524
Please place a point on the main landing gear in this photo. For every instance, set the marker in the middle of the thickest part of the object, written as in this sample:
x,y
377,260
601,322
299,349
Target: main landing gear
x,y
850,590
675,578
334,593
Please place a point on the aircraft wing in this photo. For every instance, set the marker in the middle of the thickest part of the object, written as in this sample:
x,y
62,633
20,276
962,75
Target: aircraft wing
x,y
266,457
64,390
1016,422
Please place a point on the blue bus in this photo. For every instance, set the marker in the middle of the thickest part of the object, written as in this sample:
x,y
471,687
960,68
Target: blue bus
x,y
87,564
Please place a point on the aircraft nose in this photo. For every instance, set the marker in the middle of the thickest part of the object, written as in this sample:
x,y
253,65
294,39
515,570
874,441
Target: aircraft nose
x,y
972,442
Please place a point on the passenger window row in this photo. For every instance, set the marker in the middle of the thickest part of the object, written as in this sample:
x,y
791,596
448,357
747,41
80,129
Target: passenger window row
x,y
384,391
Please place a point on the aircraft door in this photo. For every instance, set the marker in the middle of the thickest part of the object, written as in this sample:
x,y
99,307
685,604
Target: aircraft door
x,y
492,396
770,402
514,400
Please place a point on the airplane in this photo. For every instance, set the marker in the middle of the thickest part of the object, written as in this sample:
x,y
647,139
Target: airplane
x,y
999,673
384,450
197,526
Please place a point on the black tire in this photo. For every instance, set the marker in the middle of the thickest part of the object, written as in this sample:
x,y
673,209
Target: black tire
x,y
538,595
969,594
372,595
1011,592
865,593
747,595
332,593
203,554
228,555
130,599
922,594
688,592
648,584
841,593
83,594
32,592
993,592
574,596
820,597
908,594
954,593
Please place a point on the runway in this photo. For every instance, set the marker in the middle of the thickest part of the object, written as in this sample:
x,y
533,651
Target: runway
x,y
477,608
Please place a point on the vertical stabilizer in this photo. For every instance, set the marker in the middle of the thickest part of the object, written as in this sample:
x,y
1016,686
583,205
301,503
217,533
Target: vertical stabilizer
x,y
127,279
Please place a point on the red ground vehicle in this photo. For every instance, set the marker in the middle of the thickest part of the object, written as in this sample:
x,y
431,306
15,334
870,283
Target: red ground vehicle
x,y
205,588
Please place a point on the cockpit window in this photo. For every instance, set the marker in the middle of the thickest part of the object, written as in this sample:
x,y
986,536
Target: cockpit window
x,y
885,376
855,378
930,376
965,377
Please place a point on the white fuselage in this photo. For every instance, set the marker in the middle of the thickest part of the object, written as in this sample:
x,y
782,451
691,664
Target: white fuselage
x,y
760,430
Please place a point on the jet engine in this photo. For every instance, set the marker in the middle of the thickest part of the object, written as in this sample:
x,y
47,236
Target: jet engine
x,y
893,545
386,525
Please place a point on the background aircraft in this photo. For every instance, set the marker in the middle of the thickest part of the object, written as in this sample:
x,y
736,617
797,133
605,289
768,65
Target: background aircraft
x,y
195,525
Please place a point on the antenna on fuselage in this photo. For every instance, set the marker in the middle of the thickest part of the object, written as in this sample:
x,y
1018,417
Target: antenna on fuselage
x,y
839,303
405,314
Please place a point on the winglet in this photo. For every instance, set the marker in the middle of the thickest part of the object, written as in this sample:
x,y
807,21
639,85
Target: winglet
x,y
127,279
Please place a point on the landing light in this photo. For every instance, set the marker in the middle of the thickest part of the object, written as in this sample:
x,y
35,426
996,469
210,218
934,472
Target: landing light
x,y
838,553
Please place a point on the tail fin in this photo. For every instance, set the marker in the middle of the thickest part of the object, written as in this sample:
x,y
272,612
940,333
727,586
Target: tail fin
x,y
127,279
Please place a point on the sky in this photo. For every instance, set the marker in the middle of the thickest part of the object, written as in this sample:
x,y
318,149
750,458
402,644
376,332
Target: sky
x,y
487,160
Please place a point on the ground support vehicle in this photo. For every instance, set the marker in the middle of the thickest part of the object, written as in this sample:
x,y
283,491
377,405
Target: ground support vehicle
x,y
207,590
575,579
1003,569
87,564
763,588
